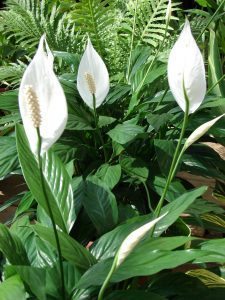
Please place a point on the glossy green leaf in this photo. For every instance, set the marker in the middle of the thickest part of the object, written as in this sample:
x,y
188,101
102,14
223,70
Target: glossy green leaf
x,y
40,253
124,133
12,247
215,68
105,120
25,203
71,249
8,155
134,295
164,152
138,264
35,278
9,120
175,189
109,243
110,175
9,100
100,204
56,178
12,288
135,168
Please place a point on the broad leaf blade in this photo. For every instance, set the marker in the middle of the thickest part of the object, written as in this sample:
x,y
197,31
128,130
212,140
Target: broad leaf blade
x,y
57,182
71,249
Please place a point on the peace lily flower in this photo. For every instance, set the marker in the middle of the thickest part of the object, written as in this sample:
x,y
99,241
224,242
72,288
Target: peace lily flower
x,y
133,239
186,71
92,77
42,101
200,131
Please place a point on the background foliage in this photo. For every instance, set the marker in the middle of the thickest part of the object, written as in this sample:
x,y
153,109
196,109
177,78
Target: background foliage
x,y
103,200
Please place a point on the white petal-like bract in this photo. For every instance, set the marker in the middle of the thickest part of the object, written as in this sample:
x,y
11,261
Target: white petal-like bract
x,y
41,79
92,77
133,239
200,131
186,70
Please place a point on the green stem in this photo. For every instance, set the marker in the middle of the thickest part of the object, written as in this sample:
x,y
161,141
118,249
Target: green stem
x,y
213,86
148,196
132,41
211,19
51,214
176,159
98,129
107,280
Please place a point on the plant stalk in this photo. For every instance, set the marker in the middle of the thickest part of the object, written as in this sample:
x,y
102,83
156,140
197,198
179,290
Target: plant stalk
x,y
98,129
40,164
107,280
176,159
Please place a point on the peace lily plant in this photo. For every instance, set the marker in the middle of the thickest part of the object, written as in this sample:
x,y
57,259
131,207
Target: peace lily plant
x,y
187,82
43,109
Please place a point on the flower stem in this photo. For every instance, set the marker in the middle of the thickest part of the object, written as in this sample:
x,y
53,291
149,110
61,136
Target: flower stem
x,y
98,129
107,280
40,164
176,159
148,196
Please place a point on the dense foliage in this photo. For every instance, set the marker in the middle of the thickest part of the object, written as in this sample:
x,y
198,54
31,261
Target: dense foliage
x,y
103,187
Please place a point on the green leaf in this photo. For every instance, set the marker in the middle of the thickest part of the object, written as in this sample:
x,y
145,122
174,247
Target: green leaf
x,y
137,264
157,121
71,249
35,278
110,175
105,120
9,121
100,204
164,152
24,204
9,100
175,189
134,295
135,168
176,208
109,243
56,179
12,247
215,68
124,133
8,155
40,253
12,288
78,122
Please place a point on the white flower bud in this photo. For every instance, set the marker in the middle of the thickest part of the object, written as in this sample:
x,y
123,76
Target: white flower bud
x,y
186,70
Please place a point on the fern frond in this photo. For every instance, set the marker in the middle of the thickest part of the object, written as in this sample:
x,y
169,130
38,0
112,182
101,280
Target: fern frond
x,y
150,22
27,20
95,18
11,74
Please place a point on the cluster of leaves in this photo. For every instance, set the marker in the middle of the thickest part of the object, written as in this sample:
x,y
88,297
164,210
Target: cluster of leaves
x,y
97,199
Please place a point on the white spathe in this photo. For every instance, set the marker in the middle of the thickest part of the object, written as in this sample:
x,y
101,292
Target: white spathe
x,y
51,98
133,239
200,131
91,64
186,65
